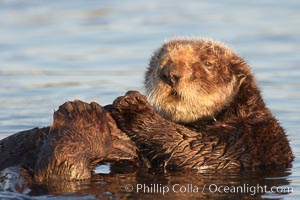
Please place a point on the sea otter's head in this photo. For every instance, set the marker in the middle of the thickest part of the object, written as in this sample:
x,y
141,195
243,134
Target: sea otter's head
x,y
192,79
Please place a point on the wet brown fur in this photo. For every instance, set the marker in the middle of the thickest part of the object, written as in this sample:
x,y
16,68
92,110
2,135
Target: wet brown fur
x,y
81,136
235,130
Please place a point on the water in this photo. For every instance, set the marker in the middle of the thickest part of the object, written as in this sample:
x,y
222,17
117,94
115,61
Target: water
x,y
53,51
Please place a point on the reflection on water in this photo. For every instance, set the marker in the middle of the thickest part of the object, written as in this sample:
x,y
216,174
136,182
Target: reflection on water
x,y
53,51
176,185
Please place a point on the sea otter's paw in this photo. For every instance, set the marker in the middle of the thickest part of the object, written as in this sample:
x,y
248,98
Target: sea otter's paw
x,y
131,110
132,103
78,112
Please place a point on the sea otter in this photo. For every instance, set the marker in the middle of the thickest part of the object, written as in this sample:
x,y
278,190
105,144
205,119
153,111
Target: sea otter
x,y
205,112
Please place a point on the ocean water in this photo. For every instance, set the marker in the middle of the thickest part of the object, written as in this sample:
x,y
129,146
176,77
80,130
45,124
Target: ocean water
x,y
53,51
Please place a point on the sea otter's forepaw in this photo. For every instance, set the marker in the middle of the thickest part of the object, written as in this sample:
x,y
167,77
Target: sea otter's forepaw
x,y
131,108
133,102
78,113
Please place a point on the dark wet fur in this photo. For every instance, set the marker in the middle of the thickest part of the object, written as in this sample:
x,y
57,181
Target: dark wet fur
x,y
81,136
230,143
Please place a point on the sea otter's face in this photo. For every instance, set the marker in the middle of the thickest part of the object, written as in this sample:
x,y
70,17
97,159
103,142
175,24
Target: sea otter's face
x,y
190,79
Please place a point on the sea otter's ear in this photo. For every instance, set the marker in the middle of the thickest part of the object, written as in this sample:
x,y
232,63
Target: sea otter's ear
x,y
238,65
240,79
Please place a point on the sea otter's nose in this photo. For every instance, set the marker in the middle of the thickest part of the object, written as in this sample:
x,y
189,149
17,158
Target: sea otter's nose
x,y
169,75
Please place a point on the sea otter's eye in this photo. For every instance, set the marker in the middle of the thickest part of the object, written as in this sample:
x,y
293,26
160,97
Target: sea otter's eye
x,y
208,64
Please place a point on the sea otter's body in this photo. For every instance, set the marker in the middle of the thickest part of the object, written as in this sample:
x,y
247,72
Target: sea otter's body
x,y
205,112
221,120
